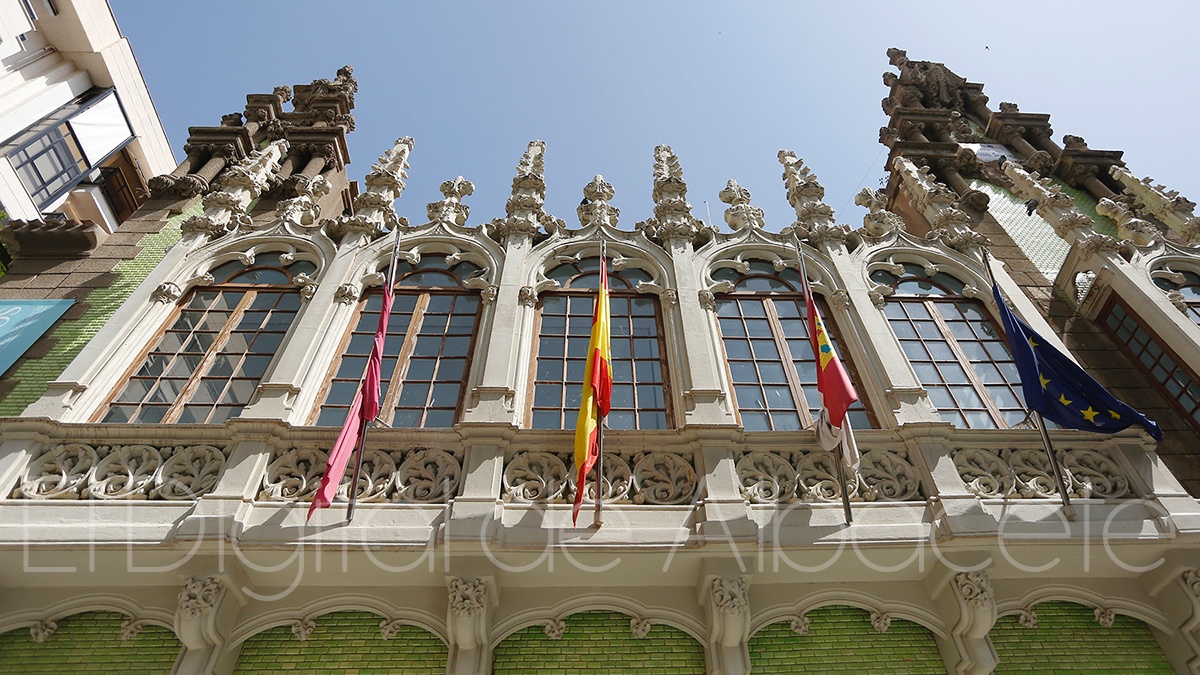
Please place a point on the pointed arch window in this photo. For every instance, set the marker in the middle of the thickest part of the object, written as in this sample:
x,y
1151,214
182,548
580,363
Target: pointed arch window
x,y
640,397
427,350
768,351
210,360
957,351
1187,285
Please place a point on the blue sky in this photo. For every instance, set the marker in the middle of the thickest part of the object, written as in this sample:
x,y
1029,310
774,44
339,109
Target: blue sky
x,y
725,84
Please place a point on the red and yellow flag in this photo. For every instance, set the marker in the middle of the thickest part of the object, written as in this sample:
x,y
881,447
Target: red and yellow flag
x,y
837,391
597,390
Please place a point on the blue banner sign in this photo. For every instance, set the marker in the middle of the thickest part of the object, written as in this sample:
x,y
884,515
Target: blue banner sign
x,y
22,322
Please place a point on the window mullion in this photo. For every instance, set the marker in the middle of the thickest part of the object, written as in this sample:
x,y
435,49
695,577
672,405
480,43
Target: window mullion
x,y
388,406
967,366
185,394
789,365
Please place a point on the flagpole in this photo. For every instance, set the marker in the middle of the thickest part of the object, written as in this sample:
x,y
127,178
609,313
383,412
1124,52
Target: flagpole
x,y
596,521
366,424
1068,510
839,458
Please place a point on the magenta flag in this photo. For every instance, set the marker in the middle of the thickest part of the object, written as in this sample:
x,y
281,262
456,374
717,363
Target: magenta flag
x,y
364,409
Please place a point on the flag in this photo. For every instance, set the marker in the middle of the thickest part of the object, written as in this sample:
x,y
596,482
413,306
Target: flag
x,y
837,391
597,391
363,410
1056,387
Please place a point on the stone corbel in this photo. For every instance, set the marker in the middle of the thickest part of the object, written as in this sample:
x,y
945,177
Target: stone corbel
x,y
970,591
727,604
207,608
468,626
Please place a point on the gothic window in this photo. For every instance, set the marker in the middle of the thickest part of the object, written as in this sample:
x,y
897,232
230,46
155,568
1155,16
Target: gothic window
x,y
768,350
213,355
639,396
1178,383
1187,284
958,353
427,349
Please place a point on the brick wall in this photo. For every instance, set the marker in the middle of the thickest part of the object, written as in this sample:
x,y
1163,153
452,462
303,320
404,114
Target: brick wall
x,y
89,643
599,643
1069,639
842,640
344,642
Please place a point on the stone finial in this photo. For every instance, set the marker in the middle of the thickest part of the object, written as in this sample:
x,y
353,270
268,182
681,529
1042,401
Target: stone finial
x,y
525,209
804,193
1174,210
939,87
740,215
374,212
936,202
1055,207
672,212
879,222
451,210
595,210
240,184
1129,226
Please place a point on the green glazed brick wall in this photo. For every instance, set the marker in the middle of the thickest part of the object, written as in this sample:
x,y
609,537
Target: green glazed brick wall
x,y
1045,249
89,643
71,336
842,641
598,643
1068,639
344,642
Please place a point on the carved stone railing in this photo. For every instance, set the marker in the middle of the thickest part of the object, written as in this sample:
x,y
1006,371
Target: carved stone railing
x,y
130,472
782,476
1025,473
657,477
415,476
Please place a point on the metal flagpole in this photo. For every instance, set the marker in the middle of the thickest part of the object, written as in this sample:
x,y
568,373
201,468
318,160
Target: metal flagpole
x,y
596,521
362,433
840,457
1068,510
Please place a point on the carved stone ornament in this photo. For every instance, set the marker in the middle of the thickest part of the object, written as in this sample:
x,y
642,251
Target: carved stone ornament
x,y
467,598
390,628
489,293
801,624
731,596
302,628
133,472
527,296
1191,581
420,475
131,627
42,630
346,294
199,596
672,212
741,215
595,209
776,477
1027,618
708,300
640,628
535,477
879,222
881,621
1105,617
1026,473
167,293
975,588
555,628
450,210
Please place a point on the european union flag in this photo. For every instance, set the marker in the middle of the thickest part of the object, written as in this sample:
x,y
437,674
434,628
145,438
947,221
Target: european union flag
x,y
1058,388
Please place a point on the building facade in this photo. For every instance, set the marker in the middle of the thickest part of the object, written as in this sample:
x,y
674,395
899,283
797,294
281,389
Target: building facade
x,y
161,448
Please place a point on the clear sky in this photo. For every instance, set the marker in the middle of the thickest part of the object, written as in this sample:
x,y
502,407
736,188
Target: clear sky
x,y
726,84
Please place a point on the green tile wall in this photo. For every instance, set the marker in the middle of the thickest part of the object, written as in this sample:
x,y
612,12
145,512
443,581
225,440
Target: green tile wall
x,y
1068,639
1045,249
89,643
71,336
841,640
345,643
598,643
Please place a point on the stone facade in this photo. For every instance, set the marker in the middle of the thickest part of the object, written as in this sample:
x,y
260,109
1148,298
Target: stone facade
x,y
722,546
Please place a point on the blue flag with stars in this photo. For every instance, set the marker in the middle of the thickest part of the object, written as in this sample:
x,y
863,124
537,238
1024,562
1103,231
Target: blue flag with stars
x,y
1058,388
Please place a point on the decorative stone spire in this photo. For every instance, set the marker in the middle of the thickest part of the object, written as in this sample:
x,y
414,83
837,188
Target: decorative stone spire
x,y
879,222
1055,207
225,207
595,210
525,209
740,215
374,213
1129,226
804,193
1174,210
936,202
451,210
672,213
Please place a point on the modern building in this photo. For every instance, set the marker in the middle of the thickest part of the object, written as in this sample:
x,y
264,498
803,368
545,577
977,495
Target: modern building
x,y
79,135
162,444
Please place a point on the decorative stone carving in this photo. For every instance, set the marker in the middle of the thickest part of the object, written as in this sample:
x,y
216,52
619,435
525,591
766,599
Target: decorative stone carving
x,y
428,476
131,627
450,210
1105,617
731,596
1026,473
555,628
535,477
708,300
1191,581
804,193
200,621
346,294
302,628
881,621
389,629
42,630
167,293
1027,618
672,213
467,598
938,86
663,478
489,293
1130,227
420,476
199,596
740,215
79,471
525,209
974,588
801,624
302,210
728,608
773,477
527,296
294,475
374,214
879,222
1174,210
595,209
640,628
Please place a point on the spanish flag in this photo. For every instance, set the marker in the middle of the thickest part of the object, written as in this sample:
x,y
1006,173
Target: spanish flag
x,y
837,391
597,391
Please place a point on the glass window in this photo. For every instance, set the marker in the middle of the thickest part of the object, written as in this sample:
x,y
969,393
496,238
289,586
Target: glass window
x,y
769,353
958,353
209,362
1187,284
639,396
1176,381
427,349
